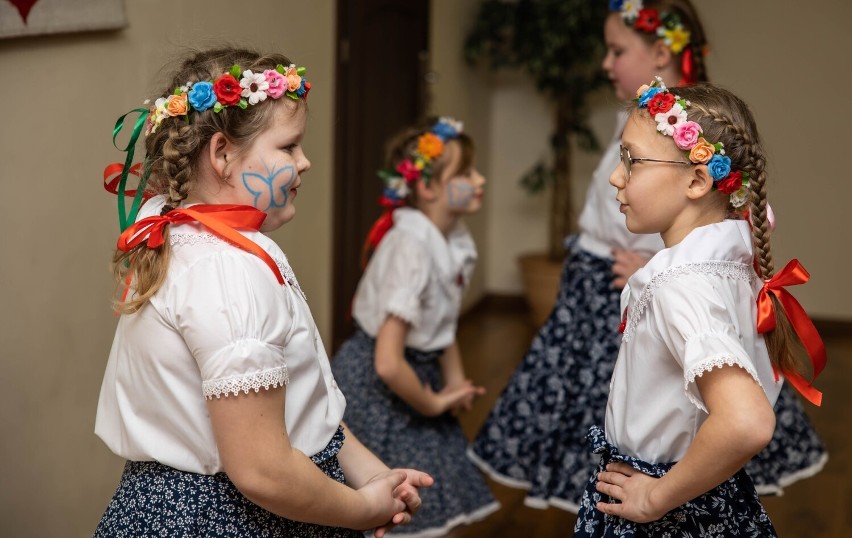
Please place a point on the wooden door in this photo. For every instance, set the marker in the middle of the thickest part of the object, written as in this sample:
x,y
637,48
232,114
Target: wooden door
x,y
382,65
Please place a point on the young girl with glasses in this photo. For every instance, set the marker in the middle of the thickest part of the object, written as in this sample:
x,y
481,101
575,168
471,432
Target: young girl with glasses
x,y
706,343
534,436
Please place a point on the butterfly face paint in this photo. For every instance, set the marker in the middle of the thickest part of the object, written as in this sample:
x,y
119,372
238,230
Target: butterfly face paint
x,y
270,168
270,189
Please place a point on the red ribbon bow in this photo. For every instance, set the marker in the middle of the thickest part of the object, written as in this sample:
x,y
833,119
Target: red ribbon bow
x,y
223,220
792,275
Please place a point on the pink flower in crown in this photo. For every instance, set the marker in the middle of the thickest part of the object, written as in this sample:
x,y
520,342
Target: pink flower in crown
x,y
277,83
686,134
294,81
666,121
408,170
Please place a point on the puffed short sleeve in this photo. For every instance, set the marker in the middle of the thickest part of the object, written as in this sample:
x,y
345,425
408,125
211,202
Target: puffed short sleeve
x,y
402,273
696,319
235,320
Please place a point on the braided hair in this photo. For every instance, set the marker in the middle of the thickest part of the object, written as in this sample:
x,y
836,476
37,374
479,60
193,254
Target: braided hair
x,y
726,118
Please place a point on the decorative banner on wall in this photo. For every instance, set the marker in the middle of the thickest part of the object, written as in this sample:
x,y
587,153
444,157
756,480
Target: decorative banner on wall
x,y
34,17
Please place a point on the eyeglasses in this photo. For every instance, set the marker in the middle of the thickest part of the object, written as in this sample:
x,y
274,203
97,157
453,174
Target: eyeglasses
x,y
628,161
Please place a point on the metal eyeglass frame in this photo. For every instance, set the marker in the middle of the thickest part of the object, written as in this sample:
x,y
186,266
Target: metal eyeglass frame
x,y
627,161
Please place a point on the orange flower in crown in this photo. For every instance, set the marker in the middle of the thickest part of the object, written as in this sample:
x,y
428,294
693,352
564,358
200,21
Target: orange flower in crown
x,y
430,146
417,165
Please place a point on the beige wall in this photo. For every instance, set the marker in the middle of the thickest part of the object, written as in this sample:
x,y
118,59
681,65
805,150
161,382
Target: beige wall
x,y
62,94
792,70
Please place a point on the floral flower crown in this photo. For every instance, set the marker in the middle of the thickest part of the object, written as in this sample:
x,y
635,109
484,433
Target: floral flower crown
x,y
667,26
669,111
234,88
418,165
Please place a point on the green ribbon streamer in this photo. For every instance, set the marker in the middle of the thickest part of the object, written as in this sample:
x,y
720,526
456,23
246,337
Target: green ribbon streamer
x,y
125,219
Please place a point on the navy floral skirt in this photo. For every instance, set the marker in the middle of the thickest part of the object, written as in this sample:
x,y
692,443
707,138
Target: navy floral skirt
x,y
730,509
795,452
401,437
153,499
534,438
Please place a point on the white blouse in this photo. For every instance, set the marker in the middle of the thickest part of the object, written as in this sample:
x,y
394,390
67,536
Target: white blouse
x,y
418,275
692,308
220,325
602,226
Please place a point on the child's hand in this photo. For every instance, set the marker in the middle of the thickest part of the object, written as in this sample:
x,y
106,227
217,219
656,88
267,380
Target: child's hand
x,y
633,488
626,263
381,503
407,492
467,403
452,397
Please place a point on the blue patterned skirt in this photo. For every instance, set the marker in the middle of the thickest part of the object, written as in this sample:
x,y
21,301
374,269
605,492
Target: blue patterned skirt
x,y
401,437
730,509
534,438
153,499
795,452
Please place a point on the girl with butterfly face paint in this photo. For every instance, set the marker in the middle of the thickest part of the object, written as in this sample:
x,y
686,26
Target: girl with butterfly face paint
x,y
218,390
401,371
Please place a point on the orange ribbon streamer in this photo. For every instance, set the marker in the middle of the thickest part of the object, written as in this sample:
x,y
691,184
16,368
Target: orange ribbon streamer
x,y
223,220
792,275
112,175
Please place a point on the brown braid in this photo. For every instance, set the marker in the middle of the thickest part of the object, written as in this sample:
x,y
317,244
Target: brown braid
x,y
725,118
173,151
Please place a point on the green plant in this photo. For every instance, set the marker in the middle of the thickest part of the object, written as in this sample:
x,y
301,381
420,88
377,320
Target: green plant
x,y
559,43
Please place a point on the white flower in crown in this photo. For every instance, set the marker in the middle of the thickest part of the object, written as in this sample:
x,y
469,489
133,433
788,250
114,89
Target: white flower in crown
x,y
739,197
398,185
666,121
452,122
630,9
254,86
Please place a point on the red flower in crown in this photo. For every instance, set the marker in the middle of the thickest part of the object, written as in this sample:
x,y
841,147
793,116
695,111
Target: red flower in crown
x,y
227,90
662,102
408,170
648,20
731,183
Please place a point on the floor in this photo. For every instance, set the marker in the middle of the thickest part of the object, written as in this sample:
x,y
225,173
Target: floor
x,y
493,337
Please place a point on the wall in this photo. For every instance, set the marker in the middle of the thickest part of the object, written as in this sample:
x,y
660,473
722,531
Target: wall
x,y
792,70
61,96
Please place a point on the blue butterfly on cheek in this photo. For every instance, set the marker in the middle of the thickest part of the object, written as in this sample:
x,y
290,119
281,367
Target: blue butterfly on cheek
x,y
266,195
460,194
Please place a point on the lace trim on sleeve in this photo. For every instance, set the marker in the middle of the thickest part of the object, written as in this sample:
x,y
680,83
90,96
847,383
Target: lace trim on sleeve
x,y
201,238
717,361
736,270
226,386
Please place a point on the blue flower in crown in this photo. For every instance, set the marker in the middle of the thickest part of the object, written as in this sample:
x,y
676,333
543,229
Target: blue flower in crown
x,y
447,129
647,95
202,96
719,166
615,5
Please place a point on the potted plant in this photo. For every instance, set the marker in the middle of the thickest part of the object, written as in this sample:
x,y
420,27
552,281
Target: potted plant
x,y
559,44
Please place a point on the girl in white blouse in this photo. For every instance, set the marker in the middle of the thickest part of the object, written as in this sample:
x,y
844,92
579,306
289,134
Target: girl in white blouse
x,y
218,390
693,388
402,372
